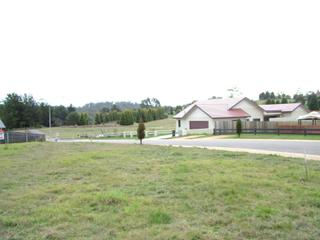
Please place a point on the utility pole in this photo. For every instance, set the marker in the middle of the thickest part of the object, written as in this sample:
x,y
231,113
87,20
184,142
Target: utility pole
x,y
50,120
49,115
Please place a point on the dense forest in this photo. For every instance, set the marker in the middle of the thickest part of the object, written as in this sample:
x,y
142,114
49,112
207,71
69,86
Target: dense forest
x,y
311,99
23,111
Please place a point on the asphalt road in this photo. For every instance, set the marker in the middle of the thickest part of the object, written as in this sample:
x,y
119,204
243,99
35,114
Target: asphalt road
x,y
287,146
309,147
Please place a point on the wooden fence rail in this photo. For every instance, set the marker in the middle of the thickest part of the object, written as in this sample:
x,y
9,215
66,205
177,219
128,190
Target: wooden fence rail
x,y
229,127
278,131
264,125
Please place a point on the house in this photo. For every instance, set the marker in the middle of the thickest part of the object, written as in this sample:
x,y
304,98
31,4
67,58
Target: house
x,y
284,112
204,116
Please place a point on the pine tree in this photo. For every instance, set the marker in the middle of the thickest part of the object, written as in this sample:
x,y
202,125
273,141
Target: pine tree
x,y
126,118
313,103
269,101
239,127
141,131
73,118
97,119
81,120
101,118
85,119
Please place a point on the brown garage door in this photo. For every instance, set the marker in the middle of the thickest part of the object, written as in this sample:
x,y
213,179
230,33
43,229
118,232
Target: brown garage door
x,y
199,124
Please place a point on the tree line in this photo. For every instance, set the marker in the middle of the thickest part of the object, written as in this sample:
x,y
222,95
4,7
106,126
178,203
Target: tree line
x,y
130,116
311,99
23,111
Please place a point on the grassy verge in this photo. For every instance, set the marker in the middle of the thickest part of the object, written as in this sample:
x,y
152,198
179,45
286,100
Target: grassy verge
x,y
105,191
274,136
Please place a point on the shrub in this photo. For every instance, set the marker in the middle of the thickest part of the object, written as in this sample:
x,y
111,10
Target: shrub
x,y
141,131
239,127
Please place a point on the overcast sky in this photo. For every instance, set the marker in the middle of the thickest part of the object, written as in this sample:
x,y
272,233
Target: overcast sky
x,y
178,51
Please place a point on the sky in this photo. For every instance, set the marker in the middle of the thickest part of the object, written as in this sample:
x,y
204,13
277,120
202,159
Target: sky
x,y
78,51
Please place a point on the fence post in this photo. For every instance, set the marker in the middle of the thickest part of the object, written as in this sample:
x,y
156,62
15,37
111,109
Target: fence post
x,y
214,131
8,137
278,131
305,131
255,131
27,136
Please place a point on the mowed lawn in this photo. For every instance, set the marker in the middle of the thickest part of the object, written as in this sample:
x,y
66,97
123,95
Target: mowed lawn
x,y
94,130
105,191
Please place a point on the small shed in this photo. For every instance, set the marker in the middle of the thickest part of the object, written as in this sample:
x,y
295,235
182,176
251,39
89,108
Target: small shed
x,y
2,126
2,133
312,116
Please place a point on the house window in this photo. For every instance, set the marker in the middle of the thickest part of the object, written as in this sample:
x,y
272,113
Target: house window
x,y
198,124
256,119
179,123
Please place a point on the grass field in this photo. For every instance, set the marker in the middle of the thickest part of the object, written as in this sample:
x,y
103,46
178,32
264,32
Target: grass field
x,y
75,132
104,191
275,136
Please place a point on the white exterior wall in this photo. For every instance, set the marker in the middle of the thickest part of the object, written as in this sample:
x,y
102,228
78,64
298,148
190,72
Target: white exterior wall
x,y
254,111
194,115
286,117
219,122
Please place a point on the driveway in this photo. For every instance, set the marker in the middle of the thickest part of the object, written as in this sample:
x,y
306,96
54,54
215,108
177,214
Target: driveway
x,y
294,148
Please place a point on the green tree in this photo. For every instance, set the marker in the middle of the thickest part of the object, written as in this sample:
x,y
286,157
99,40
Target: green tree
x,y
59,115
71,109
43,114
86,118
150,103
126,118
30,111
83,120
284,100
239,127
102,118
299,98
313,103
272,95
97,119
115,108
141,131
73,118
270,101
13,111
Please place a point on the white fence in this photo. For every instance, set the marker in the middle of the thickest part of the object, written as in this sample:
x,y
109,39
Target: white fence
x,y
130,134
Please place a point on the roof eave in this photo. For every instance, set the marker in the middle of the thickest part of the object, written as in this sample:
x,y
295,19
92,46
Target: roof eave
x,y
231,117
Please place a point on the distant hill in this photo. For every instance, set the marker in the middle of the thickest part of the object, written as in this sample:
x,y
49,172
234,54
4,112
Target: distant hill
x,y
93,108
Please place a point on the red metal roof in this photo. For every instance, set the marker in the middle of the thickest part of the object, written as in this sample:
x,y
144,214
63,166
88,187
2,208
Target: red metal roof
x,y
217,108
287,107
